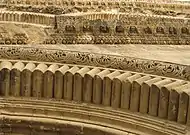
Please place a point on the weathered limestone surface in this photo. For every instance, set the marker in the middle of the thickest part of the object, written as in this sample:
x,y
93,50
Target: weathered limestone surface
x,y
69,83
16,79
98,86
59,81
107,90
79,84
145,94
164,98
5,78
88,85
154,96
126,90
106,27
159,97
117,90
77,118
26,77
49,81
136,92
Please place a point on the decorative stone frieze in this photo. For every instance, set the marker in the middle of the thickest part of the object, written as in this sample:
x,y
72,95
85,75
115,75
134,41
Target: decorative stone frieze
x,y
101,60
103,28
95,5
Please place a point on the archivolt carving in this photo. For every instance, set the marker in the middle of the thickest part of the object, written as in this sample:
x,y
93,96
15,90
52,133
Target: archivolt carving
x,y
184,30
133,30
117,62
136,28
140,23
104,28
160,30
70,28
92,115
87,28
93,20
119,29
18,38
147,30
172,30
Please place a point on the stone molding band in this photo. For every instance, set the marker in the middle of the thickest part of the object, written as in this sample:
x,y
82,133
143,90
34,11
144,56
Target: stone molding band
x,y
52,115
125,40
99,60
120,28
107,3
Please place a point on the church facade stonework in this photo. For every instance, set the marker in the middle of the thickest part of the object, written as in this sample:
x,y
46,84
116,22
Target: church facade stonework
x,y
88,67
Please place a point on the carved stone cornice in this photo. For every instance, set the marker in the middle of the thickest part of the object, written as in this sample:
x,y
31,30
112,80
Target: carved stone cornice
x,y
93,4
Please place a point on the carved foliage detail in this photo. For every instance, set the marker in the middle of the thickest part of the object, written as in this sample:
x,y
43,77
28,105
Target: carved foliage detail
x,y
109,61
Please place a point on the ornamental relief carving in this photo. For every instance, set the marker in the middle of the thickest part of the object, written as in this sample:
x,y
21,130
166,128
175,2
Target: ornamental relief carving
x,y
70,28
119,29
108,61
159,30
104,28
172,30
16,39
87,28
73,24
59,7
185,30
147,30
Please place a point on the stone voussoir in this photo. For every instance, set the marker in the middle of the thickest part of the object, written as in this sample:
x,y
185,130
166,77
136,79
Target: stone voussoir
x,y
129,91
71,67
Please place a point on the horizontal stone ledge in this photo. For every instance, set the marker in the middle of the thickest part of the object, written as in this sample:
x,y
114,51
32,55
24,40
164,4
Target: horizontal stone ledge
x,y
87,113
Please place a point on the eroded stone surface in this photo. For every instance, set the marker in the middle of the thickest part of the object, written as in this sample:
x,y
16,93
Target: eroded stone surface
x,y
126,90
116,47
